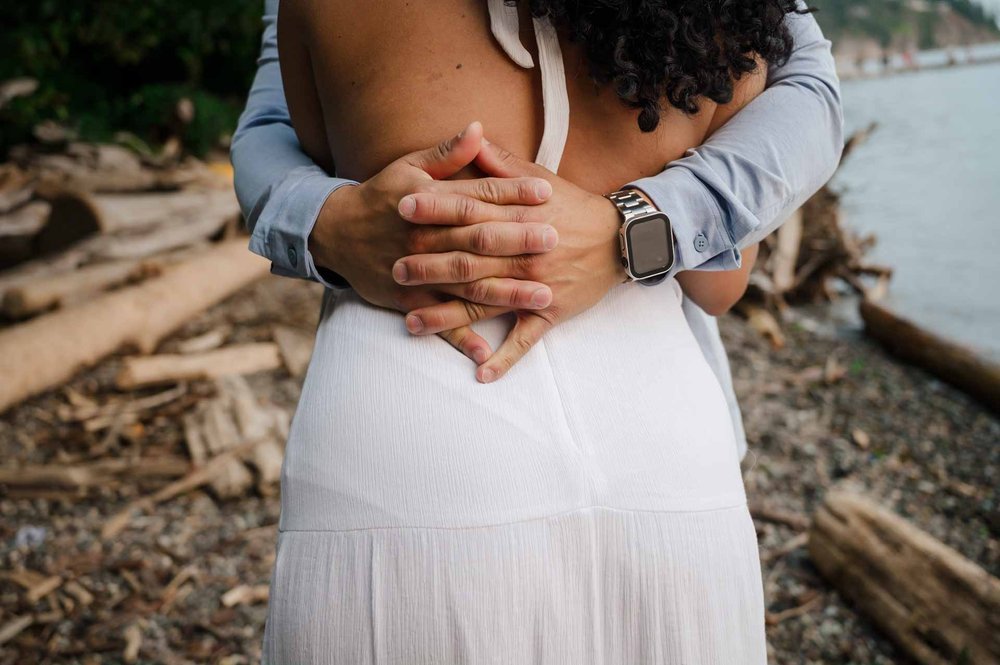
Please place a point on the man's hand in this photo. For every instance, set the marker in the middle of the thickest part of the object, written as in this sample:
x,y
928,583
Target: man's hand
x,y
580,271
361,233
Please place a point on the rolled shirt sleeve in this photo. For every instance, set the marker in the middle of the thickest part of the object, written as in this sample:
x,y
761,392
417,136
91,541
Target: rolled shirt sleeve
x,y
757,169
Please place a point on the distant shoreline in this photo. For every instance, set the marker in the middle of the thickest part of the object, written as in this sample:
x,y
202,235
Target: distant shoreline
x,y
854,65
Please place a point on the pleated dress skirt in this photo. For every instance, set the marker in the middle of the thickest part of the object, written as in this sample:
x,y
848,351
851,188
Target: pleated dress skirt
x,y
586,509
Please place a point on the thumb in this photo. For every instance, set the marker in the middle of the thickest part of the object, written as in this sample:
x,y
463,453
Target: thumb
x,y
451,155
502,163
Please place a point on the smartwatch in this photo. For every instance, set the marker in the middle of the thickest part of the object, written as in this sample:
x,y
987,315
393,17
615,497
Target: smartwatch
x,y
647,239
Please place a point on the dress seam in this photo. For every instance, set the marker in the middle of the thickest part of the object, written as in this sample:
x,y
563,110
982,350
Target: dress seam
x,y
667,511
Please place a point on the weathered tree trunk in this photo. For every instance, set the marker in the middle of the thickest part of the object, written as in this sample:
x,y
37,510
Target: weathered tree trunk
x,y
50,349
948,361
938,606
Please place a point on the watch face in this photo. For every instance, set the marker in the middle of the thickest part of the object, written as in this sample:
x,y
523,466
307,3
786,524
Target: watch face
x,y
650,246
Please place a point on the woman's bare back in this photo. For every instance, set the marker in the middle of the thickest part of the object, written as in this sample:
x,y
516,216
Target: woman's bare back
x,y
369,82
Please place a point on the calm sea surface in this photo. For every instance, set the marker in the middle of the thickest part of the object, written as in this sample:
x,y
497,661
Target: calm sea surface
x,y
927,183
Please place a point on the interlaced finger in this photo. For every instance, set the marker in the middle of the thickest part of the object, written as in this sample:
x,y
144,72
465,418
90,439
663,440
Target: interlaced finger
x,y
453,268
503,292
455,210
499,191
487,239
526,332
450,315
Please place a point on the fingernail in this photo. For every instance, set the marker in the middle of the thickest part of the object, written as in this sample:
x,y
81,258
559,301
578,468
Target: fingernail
x,y
541,298
414,324
480,356
543,190
485,142
488,375
407,206
400,273
550,238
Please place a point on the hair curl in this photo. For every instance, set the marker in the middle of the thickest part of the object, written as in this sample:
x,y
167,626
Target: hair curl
x,y
678,50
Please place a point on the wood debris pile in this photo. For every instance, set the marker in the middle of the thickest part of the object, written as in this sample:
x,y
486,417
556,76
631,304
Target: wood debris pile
x,y
104,258
814,252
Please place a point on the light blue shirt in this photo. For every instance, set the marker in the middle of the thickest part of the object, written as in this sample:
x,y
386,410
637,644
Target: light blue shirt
x,y
731,192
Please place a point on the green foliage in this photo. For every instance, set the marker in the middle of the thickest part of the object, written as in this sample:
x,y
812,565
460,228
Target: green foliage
x,y
123,64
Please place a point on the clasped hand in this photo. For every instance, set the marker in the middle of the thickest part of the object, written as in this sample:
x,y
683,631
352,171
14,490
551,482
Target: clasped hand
x,y
452,252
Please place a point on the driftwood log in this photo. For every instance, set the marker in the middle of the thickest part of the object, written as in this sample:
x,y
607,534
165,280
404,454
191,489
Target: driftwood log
x,y
948,361
44,293
938,606
142,371
18,230
50,349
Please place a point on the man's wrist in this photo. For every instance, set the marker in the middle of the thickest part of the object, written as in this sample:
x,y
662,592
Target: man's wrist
x,y
328,243
612,243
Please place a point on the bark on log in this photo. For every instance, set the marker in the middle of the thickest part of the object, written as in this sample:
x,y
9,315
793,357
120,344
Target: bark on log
x,y
50,349
934,603
45,293
948,361
103,168
137,225
112,213
119,246
167,368
18,230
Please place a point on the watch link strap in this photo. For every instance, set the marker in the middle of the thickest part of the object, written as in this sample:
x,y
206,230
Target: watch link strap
x,y
631,205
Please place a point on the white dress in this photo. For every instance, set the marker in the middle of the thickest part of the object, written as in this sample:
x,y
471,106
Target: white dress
x,y
585,509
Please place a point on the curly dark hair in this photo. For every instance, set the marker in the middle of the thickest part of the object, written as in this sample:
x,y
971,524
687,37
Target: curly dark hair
x,y
678,50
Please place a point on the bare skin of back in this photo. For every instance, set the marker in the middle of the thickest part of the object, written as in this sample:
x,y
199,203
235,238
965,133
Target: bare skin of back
x,y
391,77
367,83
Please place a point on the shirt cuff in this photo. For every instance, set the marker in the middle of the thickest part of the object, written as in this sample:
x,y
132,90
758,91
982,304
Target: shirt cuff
x,y
282,230
701,241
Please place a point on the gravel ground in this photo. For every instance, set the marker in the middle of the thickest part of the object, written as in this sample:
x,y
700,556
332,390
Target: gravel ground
x,y
821,411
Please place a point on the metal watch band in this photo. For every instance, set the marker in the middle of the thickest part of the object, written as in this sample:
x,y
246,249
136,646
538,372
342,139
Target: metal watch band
x,y
631,205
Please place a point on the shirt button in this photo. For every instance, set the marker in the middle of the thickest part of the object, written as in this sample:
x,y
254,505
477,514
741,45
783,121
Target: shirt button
x,y
700,242
293,257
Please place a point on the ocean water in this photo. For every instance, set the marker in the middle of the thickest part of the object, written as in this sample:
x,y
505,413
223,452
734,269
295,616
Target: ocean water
x,y
927,183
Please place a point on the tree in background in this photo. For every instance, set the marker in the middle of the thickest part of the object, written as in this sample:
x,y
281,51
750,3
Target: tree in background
x,y
118,65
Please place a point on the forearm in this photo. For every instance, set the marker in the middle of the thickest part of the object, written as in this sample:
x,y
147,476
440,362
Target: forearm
x,y
280,190
750,175
717,291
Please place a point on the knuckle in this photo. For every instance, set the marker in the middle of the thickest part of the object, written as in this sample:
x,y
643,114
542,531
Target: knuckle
x,y
485,239
526,189
522,343
530,239
480,291
418,270
462,267
467,208
433,317
511,296
487,189
474,311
